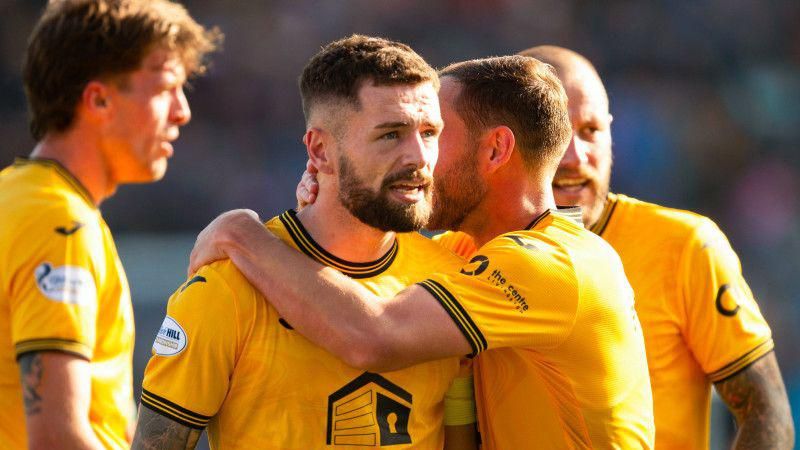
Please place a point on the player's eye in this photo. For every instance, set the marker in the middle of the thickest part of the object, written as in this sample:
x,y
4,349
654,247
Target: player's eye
x,y
430,133
588,132
390,135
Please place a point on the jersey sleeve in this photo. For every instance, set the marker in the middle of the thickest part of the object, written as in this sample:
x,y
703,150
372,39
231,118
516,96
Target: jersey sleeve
x,y
512,293
195,350
52,286
724,328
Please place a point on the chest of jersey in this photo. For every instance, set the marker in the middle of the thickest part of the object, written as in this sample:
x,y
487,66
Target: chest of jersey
x,y
288,393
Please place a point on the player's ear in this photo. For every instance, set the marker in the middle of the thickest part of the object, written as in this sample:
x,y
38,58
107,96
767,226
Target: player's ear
x,y
319,145
96,103
497,146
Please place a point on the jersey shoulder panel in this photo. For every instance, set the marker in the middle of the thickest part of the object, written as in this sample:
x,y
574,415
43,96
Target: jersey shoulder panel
x,y
457,242
656,220
223,286
422,250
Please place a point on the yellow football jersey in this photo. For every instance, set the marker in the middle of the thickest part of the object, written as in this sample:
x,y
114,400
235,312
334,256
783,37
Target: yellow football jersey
x,y
562,360
225,359
701,324
62,288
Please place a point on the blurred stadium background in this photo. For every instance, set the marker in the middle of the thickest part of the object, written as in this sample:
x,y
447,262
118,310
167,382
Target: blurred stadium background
x,y
705,96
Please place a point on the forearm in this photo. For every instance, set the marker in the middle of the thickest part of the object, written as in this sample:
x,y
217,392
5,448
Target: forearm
x,y
325,306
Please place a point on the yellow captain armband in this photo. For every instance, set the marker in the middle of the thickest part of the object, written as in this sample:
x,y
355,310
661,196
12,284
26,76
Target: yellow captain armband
x,y
459,402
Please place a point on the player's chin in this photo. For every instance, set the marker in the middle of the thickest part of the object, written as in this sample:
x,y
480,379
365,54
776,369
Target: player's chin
x,y
151,172
412,217
584,196
158,169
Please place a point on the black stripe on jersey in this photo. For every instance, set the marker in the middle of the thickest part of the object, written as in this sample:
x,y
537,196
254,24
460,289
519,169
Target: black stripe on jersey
x,y
62,171
174,411
195,279
742,362
611,204
538,219
309,246
459,315
53,344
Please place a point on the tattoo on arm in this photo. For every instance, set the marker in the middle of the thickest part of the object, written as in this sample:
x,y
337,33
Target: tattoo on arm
x,y
155,431
31,370
757,398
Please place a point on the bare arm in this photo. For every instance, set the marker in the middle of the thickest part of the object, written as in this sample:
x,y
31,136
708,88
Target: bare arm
x,y
56,391
757,398
460,437
329,308
157,432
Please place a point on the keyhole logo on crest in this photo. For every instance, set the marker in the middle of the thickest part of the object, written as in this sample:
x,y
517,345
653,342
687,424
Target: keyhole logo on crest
x,y
391,419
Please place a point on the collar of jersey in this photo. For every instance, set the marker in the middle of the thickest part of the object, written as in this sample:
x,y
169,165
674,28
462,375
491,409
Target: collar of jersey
x,y
310,247
62,172
600,226
572,213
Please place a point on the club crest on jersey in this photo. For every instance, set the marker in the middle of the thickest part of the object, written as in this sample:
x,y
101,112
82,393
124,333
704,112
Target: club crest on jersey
x,y
72,285
369,411
171,339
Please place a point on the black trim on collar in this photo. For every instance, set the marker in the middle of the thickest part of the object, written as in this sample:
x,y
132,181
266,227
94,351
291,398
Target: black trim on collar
x,y
310,247
605,217
538,219
62,171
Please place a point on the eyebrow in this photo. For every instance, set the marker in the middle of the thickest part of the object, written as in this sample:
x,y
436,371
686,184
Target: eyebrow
x,y
392,125
406,124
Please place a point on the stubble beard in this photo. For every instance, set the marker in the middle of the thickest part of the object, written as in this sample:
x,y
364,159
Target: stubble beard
x,y
456,195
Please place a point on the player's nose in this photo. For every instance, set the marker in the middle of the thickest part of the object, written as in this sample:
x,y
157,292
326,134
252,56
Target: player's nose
x,y
576,154
180,113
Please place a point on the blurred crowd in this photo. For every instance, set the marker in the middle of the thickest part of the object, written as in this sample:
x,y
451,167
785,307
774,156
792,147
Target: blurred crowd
x,y
705,96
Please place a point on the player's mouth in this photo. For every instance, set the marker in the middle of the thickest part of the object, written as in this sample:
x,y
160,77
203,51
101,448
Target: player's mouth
x,y
410,191
570,185
166,149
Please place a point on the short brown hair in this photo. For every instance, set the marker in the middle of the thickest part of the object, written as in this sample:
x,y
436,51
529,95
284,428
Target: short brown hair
x,y
337,72
521,93
77,41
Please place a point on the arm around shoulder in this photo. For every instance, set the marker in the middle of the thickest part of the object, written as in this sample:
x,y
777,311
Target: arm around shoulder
x,y
332,310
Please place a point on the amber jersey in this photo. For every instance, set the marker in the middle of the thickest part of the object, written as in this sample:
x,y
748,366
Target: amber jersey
x,y
701,323
225,359
62,288
561,357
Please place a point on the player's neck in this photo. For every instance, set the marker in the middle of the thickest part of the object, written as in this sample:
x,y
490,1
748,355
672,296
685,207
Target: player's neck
x,y
81,158
507,208
337,231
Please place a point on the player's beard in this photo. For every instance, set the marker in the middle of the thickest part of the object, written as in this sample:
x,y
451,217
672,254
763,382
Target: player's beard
x,y
457,193
377,209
